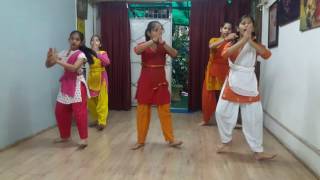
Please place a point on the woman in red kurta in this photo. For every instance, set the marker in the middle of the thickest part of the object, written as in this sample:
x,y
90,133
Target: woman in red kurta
x,y
153,86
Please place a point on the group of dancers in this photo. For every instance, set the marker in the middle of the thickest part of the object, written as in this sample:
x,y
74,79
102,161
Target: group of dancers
x,y
230,77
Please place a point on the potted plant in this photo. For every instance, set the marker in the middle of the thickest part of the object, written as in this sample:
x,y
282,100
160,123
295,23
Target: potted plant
x,y
180,64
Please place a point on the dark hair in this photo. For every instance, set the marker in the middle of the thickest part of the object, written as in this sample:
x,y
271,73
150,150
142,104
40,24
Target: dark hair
x,y
87,51
245,17
99,38
150,27
238,33
222,25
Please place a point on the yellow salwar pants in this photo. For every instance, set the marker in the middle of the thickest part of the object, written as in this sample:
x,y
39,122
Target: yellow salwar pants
x,y
143,121
98,106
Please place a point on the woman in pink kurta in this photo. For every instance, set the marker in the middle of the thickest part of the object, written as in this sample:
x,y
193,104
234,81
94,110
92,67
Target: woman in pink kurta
x,y
73,93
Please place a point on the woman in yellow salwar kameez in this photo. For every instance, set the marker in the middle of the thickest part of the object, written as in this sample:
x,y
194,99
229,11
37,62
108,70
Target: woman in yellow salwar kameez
x,y
98,85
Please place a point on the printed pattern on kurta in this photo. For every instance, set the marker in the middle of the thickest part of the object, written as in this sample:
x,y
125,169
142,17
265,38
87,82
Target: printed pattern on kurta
x,y
63,98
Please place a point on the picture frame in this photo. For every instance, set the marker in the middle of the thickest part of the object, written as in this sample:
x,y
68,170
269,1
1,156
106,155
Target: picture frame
x,y
288,11
309,14
273,26
82,9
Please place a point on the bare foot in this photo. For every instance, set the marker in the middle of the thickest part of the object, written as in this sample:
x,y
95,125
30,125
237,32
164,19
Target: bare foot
x,y
223,147
137,146
60,140
203,124
262,156
175,143
83,144
100,127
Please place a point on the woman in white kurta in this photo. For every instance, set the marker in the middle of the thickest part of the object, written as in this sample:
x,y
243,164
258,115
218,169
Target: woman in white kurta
x,y
240,90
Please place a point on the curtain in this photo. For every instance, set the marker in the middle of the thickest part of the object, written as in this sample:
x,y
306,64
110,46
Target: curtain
x,y
115,34
206,18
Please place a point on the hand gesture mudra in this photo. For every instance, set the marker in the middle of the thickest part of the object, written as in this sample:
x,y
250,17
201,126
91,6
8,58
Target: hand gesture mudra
x,y
248,33
52,55
231,37
161,41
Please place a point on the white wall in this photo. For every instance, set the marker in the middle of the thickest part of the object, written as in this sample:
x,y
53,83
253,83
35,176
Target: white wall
x,y
89,24
97,21
28,89
92,23
290,89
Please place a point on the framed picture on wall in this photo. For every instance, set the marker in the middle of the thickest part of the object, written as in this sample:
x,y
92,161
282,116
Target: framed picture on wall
x,y
273,29
309,14
82,9
288,11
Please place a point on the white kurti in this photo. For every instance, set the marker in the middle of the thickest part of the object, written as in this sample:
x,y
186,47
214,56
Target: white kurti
x,y
242,80
65,99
